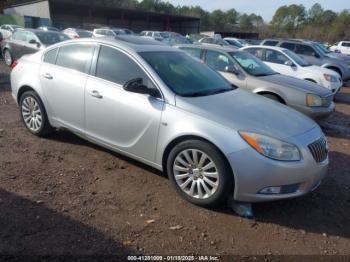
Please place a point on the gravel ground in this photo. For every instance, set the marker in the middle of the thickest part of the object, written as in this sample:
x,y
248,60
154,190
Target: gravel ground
x,y
63,195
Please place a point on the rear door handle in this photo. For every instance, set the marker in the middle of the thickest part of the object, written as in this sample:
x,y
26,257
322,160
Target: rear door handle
x,y
96,94
48,76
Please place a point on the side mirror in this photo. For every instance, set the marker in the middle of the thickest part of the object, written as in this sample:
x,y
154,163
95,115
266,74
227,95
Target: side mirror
x,y
33,42
136,86
231,69
289,63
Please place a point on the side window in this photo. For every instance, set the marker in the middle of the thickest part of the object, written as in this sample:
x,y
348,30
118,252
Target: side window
x,y
305,50
75,56
117,67
110,33
19,35
289,46
50,56
275,57
217,60
149,33
346,44
194,52
30,36
258,52
270,43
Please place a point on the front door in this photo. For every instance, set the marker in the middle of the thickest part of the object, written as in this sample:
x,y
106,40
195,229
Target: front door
x,y
220,62
117,118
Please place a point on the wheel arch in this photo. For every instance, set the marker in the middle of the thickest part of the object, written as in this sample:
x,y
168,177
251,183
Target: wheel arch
x,y
24,89
182,138
335,68
282,100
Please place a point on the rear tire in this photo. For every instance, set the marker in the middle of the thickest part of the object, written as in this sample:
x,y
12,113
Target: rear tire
x,y
8,57
33,114
200,174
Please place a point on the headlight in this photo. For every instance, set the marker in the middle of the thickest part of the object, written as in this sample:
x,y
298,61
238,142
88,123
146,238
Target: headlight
x,y
313,100
330,78
271,147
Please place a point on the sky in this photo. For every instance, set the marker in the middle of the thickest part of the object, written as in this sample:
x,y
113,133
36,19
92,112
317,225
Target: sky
x,y
265,8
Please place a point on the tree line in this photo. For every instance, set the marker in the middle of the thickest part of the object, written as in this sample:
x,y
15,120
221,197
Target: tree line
x,y
293,21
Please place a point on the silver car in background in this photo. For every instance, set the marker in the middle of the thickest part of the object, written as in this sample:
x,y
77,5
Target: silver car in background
x,y
247,71
156,104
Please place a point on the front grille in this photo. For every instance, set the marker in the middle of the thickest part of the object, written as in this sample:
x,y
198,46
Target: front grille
x,y
319,150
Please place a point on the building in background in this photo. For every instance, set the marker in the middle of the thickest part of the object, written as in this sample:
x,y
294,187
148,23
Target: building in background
x,y
68,13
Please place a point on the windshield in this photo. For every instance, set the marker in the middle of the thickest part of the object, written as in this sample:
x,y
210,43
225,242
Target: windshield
x,y
324,50
243,42
252,65
319,49
176,40
184,75
234,43
50,38
300,61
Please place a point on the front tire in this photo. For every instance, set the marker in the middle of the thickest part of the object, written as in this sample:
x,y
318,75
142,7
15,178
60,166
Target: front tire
x,y
33,114
200,173
8,57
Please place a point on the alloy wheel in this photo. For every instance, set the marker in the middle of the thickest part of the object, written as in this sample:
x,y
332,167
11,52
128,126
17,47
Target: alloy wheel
x,y
32,114
196,173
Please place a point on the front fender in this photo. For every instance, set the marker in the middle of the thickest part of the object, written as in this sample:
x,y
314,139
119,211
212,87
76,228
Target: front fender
x,y
177,123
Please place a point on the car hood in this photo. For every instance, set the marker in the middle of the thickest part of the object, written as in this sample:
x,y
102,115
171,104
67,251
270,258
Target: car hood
x,y
339,56
320,70
291,82
241,110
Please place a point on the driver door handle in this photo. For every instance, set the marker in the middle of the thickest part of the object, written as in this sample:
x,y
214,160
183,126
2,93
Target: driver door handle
x,y
95,93
48,76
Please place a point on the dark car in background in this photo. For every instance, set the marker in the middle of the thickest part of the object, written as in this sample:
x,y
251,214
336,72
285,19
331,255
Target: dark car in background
x,y
28,41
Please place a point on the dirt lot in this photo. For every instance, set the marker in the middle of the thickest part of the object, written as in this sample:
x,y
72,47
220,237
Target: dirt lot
x,y
62,195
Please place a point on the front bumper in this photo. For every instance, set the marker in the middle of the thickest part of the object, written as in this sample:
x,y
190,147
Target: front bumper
x,y
254,172
316,112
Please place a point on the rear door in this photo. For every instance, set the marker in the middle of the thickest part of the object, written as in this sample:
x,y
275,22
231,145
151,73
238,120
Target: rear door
x,y
63,76
16,44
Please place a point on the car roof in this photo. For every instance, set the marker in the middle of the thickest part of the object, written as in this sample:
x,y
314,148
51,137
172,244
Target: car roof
x,y
37,31
277,48
210,47
129,42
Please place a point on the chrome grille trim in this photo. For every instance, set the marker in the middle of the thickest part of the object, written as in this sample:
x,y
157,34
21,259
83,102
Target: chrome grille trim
x,y
319,149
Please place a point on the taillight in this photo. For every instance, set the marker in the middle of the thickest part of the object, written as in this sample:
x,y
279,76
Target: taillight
x,y
14,64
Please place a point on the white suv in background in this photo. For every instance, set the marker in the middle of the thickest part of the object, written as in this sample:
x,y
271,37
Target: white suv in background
x,y
111,32
156,35
342,47
287,62
7,30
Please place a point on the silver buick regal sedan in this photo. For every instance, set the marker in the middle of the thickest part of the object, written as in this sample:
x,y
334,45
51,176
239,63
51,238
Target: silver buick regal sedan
x,y
158,105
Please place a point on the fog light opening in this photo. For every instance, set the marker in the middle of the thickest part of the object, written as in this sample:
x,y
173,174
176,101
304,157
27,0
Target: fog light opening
x,y
271,190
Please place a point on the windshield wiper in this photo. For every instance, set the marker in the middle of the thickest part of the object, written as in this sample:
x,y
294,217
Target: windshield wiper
x,y
208,92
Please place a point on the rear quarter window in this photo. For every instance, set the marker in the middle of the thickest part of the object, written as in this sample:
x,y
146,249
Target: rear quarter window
x,y
50,56
76,56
